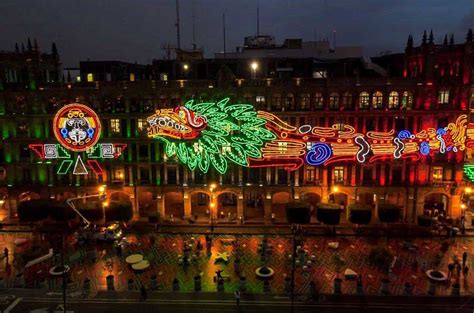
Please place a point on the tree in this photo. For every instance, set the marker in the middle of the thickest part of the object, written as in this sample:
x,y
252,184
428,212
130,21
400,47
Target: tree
x,y
298,212
360,214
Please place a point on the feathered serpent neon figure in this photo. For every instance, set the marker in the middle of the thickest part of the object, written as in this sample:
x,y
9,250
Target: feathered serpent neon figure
x,y
215,134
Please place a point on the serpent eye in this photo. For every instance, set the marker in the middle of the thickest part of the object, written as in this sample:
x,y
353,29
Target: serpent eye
x,y
181,114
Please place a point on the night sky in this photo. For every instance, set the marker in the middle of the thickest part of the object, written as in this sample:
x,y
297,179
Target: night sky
x,y
135,30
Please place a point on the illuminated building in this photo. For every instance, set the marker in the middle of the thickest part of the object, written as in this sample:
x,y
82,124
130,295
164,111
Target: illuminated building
x,y
427,87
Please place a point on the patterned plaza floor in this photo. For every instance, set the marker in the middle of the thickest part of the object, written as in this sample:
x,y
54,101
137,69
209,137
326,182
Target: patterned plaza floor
x,y
318,264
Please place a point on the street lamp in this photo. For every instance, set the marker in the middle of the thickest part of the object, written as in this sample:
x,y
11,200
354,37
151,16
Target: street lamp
x,y
335,189
185,67
254,67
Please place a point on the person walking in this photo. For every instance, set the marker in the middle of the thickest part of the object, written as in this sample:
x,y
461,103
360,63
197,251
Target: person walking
x,y
450,270
464,259
465,271
237,297
5,252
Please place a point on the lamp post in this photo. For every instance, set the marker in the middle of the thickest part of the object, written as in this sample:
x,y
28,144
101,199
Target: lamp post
x,y
101,195
212,205
254,68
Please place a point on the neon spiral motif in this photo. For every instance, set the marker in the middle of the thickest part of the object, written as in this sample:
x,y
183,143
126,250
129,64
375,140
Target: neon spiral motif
x,y
405,134
319,153
425,148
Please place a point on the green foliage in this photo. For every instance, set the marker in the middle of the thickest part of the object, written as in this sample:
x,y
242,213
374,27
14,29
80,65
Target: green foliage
x,y
298,212
389,213
234,134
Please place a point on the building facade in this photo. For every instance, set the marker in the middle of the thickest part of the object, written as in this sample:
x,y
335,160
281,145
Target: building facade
x,y
426,87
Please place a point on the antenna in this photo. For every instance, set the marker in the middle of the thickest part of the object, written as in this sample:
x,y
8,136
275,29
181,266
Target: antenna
x,y
178,35
194,28
223,30
334,34
258,20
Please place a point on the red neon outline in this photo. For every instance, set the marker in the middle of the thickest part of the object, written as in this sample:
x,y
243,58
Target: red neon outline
x,y
95,166
38,148
290,164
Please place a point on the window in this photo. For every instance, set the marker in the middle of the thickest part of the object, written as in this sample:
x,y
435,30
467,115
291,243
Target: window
x,y
290,102
90,77
141,124
115,125
364,100
310,174
318,101
437,173
276,102
338,174
334,101
163,76
443,96
143,151
320,74
377,100
226,148
347,100
305,102
407,100
132,77
260,101
393,101
119,174
282,147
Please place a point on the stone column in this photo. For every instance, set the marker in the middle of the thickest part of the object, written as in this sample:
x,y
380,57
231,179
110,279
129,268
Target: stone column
x,y
240,206
454,206
187,204
160,205
267,206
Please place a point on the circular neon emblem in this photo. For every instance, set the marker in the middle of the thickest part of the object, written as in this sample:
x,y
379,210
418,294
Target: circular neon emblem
x,y
76,127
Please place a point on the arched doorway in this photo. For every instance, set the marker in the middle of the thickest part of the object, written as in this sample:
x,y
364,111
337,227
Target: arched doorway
x,y
279,201
436,204
174,206
200,206
146,204
254,207
119,196
227,206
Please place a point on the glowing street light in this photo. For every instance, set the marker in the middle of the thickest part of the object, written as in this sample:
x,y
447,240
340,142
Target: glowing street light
x,y
254,67
105,204
468,190
185,67
335,189
102,189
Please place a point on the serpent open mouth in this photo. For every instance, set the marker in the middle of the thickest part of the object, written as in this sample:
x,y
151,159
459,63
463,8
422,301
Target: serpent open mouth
x,y
179,123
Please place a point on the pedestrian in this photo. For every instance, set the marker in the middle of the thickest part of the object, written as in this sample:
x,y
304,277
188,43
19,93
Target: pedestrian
x,y
465,271
5,252
237,297
142,293
415,266
464,259
458,270
450,270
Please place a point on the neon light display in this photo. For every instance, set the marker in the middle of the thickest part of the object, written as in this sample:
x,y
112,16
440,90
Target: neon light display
x,y
216,134
77,129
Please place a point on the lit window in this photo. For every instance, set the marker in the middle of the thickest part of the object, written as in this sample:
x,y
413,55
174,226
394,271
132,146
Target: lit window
x,y
90,77
78,78
407,100
443,96
282,147
260,100
437,173
163,76
318,101
320,74
377,100
119,175
347,100
290,102
364,100
305,101
226,148
393,101
334,101
338,174
115,125
310,174
141,124
132,77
